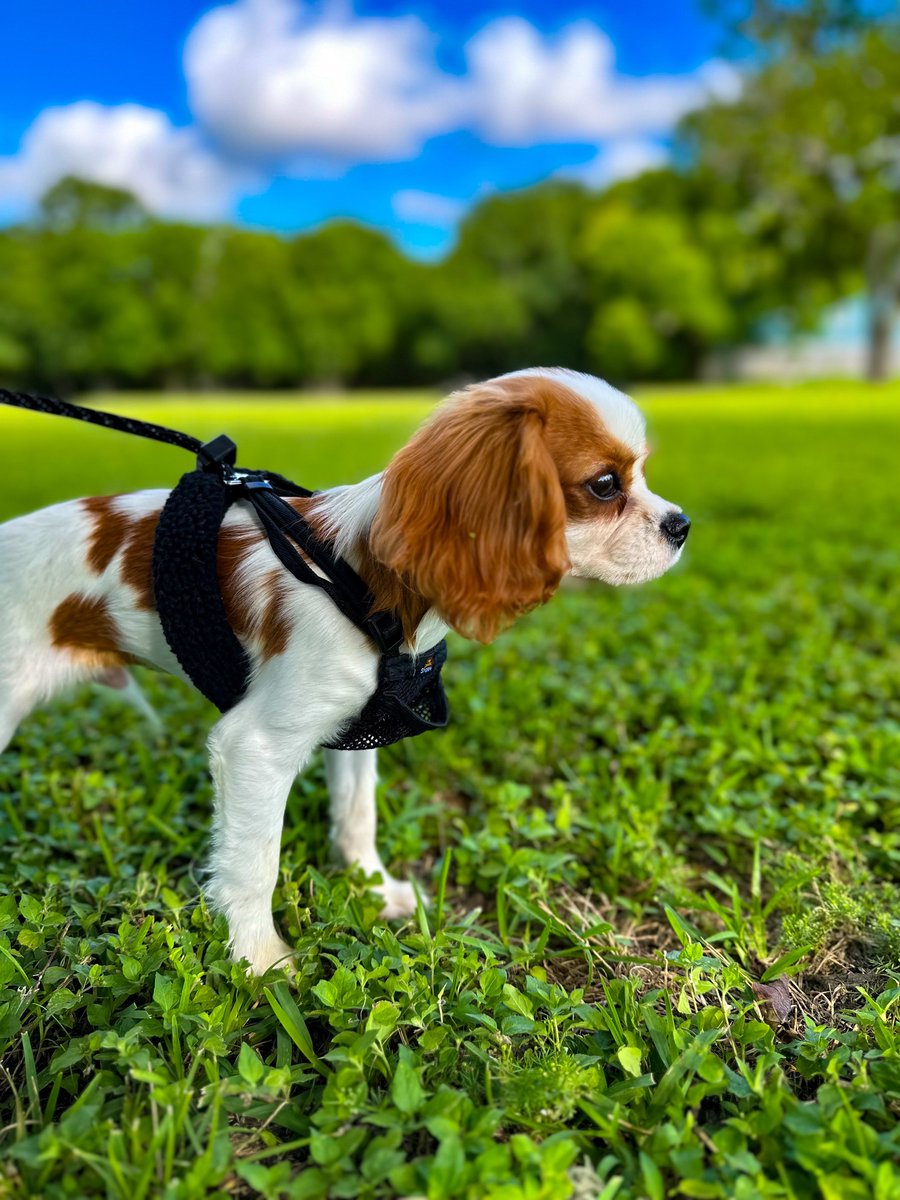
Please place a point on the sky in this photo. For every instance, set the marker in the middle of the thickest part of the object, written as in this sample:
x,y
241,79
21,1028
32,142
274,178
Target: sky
x,y
282,114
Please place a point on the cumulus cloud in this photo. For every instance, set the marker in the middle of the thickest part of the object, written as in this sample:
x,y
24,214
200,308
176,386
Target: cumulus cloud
x,y
128,146
620,159
295,87
427,208
526,87
272,78
279,78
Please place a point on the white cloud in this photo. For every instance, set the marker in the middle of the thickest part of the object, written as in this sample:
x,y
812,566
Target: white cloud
x,y
427,208
277,78
620,159
168,169
526,87
272,79
283,85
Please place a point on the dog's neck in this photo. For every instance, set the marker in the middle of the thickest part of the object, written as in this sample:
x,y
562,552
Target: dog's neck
x,y
346,514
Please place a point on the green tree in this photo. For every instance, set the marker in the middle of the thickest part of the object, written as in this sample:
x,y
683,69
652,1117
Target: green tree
x,y
74,202
356,296
749,271
794,27
657,304
809,154
514,291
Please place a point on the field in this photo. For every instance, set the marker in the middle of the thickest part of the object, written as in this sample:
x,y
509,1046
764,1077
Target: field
x,y
661,840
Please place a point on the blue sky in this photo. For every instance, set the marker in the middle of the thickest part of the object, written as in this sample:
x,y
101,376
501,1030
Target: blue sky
x,y
282,114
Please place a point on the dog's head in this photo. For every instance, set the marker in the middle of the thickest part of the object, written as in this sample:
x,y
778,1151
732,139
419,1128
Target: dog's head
x,y
514,483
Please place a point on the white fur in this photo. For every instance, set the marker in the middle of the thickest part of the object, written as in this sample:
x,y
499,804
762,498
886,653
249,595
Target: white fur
x,y
297,700
619,413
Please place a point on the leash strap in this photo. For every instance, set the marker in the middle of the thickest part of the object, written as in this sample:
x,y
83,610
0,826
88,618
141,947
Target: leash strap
x,y
93,416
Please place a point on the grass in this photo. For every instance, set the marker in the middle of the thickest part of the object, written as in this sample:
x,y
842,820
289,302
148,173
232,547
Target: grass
x,y
661,838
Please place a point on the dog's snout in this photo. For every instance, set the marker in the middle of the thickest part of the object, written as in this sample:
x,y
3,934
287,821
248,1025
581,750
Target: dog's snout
x,y
676,526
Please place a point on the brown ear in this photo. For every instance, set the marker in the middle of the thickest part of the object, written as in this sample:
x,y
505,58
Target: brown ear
x,y
472,515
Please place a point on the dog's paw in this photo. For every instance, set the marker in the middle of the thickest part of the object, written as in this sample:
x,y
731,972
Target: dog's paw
x,y
262,957
399,898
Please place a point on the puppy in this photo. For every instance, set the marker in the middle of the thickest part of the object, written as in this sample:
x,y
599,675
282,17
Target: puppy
x,y
510,485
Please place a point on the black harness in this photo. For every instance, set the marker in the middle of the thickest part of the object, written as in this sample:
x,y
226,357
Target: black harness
x,y
409,697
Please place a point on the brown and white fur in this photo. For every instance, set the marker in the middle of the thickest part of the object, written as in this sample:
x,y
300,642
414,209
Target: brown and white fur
x,y
474,522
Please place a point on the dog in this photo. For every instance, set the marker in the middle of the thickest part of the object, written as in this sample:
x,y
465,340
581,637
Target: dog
x,y
511,485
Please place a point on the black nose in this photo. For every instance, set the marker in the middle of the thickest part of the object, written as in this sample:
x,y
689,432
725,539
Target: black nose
x,y
676,526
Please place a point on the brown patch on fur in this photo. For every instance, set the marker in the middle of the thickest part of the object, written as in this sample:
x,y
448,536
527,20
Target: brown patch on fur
x,y
583,448
274,628
474,508
235,543
114,530
137,561
307,508
84,627
110,529
391,592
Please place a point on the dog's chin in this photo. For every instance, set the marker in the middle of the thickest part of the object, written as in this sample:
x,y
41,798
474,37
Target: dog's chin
x,y
619,573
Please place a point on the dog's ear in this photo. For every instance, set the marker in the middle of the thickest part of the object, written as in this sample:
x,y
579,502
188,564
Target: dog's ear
x,y
472,515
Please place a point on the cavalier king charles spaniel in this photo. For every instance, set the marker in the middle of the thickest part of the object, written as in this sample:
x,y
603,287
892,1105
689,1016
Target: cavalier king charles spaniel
x,y
511,485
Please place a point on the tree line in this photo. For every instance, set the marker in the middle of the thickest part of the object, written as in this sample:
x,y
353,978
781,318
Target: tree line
x,y
780,201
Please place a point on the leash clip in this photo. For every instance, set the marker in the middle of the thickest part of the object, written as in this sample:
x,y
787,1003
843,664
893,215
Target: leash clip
x,y
250,481
218,457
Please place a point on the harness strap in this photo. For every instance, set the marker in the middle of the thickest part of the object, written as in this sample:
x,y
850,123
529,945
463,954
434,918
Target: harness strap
x,y
186,589
264,490
343,586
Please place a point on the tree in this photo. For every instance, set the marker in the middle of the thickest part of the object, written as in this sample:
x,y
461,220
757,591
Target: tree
x,y
811,154
773,28
73,203
514,291
657,305
355,294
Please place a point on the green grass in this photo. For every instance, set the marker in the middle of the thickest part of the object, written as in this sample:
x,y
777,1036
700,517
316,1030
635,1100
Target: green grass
x,y
661,835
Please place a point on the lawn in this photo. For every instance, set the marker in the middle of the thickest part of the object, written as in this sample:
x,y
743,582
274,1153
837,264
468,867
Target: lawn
x,y
661,839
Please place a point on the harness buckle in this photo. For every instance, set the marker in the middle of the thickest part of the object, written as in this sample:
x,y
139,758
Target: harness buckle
x,y
218,453
385,630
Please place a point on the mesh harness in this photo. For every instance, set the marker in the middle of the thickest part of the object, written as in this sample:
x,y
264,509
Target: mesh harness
x,y
409,697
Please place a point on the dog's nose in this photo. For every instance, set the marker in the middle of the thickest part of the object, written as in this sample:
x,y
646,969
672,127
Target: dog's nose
x,y
676,526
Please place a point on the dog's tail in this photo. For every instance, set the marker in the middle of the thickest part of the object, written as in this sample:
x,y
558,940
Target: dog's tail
x,y
131,692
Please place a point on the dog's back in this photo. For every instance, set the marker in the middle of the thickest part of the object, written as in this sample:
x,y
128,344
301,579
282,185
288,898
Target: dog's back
x,y
68,615
77,603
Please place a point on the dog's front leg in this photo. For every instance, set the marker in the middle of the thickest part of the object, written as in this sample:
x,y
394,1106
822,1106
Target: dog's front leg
x,y
253,770
351,786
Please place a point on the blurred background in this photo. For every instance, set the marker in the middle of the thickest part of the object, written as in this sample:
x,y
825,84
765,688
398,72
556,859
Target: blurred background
x,y
275,194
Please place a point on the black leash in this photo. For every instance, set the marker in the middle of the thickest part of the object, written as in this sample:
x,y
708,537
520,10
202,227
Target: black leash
x,y
93,416
185,580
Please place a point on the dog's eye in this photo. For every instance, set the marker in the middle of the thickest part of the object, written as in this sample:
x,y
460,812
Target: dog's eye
x,y
605,486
